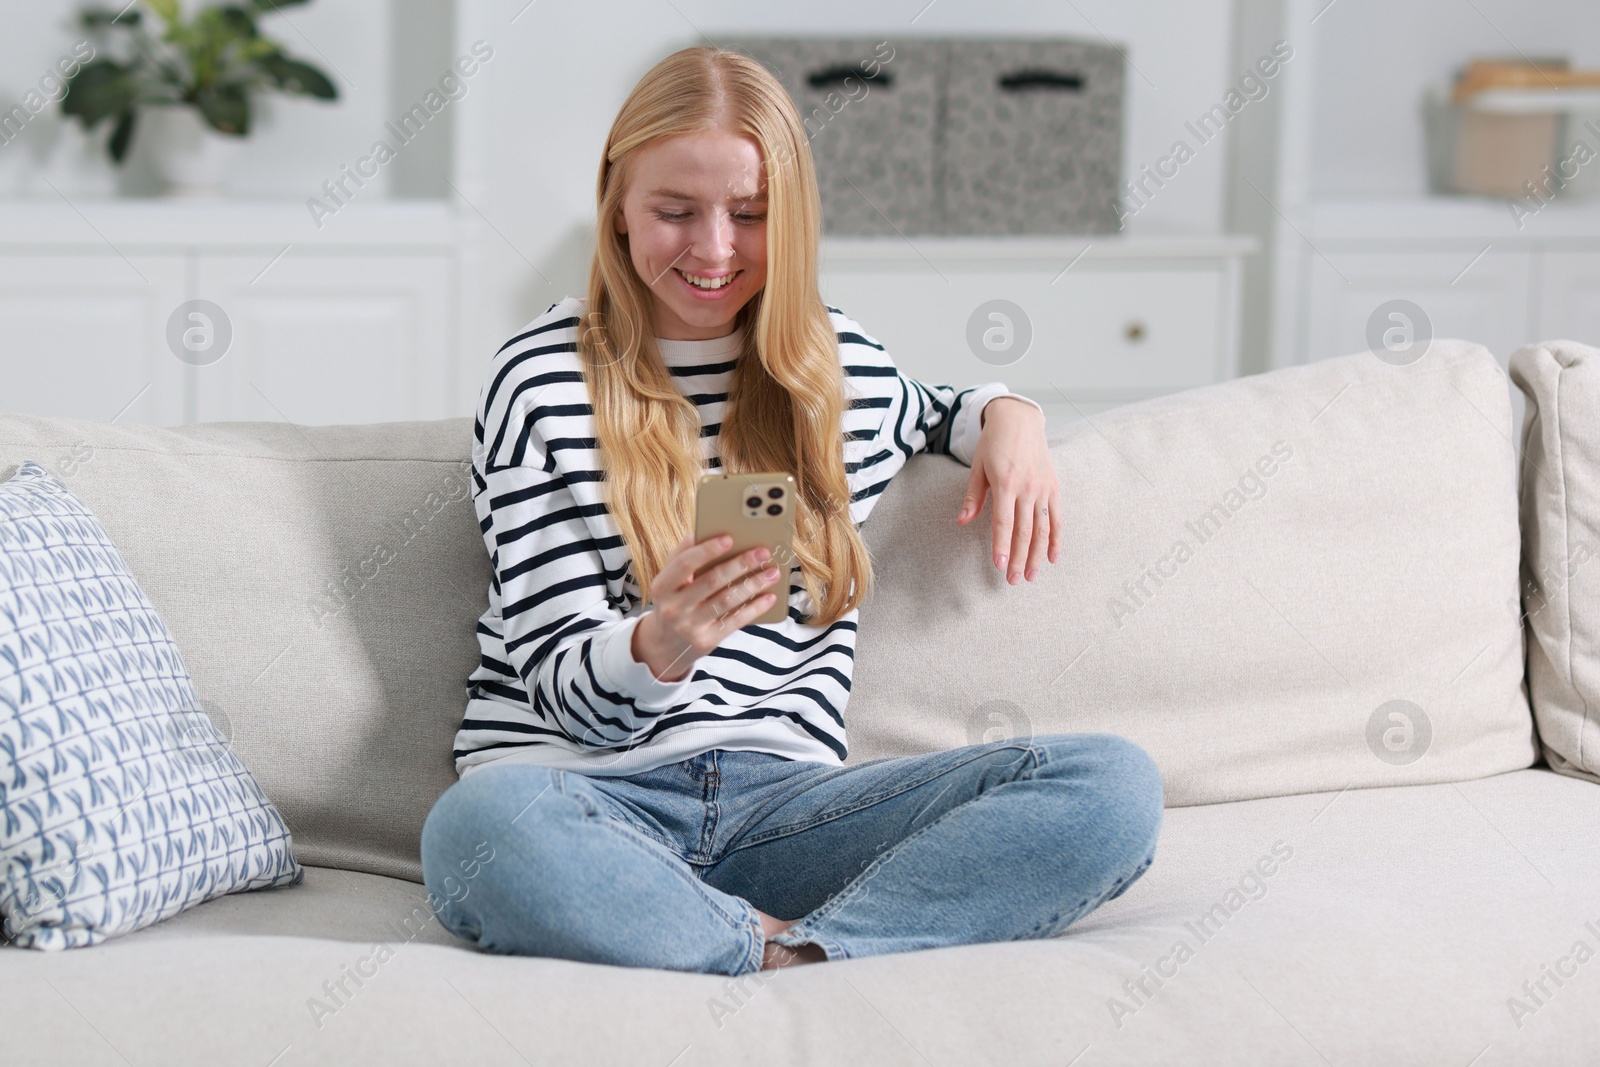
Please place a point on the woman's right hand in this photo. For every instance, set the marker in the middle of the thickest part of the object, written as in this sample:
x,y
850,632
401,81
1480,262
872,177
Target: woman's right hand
x,y
693,612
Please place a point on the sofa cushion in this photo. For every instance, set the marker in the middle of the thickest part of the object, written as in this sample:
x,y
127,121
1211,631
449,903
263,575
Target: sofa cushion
x,y
120,805
1397,926
1295,581
324,583
1561,539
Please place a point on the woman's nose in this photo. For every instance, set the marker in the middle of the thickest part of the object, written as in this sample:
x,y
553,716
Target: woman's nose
x,y
714,242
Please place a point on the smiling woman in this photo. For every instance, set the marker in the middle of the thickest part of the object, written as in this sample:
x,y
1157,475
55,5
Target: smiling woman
x,y
667,774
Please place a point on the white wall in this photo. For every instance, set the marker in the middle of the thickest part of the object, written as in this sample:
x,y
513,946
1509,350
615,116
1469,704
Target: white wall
x,y
530,137
1376,57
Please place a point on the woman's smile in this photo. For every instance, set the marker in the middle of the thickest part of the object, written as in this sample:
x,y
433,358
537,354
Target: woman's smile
x,y
713,285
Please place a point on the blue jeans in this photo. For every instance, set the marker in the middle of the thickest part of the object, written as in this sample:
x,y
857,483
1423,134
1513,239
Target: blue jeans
x,y
1000,841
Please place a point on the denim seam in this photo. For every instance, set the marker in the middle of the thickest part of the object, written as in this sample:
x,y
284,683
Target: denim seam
x,y
738,922
849,892
867,802
592,808
831,948
1054,926
642,842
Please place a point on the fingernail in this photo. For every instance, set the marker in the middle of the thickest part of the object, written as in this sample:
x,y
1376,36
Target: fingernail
x,y
1002,563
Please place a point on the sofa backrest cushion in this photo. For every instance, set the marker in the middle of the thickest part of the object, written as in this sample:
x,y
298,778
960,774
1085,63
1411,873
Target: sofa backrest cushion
x,y
322,584
1296,581
1560,545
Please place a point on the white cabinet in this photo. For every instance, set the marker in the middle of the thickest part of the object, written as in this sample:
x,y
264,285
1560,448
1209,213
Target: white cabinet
x,y
1109,320
1569,297
84,335
1332,174
356,321
1484,299
1473,271
350,323
323,339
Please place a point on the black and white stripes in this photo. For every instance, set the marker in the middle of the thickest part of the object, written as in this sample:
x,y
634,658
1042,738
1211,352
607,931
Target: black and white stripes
x,y
557,684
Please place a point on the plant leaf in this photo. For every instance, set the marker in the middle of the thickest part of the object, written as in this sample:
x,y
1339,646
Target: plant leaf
x,y
226,108
230,22
292,76
258,48
100,89
121,137
273,5
106,18
167,9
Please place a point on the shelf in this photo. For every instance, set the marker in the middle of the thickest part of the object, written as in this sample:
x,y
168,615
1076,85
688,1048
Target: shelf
x,y
1009,251
161,224
1454,220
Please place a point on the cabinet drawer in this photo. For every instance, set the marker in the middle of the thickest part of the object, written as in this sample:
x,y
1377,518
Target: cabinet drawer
x,y
1105,333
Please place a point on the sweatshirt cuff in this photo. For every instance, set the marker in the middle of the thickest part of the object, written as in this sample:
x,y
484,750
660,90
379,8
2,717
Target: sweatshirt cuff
x,y
965,430
620,672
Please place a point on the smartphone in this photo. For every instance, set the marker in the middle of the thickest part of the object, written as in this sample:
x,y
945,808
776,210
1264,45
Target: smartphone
x,y
756,509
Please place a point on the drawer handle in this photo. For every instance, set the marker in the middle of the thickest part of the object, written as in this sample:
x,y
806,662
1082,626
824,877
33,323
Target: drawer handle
x,y
1134,331
1040,79
830,76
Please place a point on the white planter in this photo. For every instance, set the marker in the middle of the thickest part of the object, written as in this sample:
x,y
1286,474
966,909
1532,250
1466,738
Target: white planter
x,y
190,159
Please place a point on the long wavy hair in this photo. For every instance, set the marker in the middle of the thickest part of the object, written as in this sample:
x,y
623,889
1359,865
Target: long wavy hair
x,y
786,398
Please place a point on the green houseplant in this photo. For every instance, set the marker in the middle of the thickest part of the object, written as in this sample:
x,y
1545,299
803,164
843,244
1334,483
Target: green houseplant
x,y
208,64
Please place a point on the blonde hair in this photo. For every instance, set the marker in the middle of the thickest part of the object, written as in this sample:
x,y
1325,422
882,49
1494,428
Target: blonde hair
x,y
786,399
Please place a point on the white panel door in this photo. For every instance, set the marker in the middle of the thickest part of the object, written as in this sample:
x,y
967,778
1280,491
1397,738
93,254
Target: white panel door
x,y
1569,298
85,335
325,339
1486,301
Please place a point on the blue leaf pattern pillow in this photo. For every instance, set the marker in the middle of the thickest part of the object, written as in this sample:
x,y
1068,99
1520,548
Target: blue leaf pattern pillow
x,y
120,805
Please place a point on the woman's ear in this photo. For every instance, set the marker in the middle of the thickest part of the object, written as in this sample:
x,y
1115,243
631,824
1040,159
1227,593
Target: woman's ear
x,y
619,221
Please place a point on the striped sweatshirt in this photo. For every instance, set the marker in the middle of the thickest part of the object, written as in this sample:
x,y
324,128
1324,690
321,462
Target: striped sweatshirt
x,y
557,684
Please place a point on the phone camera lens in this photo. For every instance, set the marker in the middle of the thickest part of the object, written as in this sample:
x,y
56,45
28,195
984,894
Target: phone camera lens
x,y
775,492
774,509
753,502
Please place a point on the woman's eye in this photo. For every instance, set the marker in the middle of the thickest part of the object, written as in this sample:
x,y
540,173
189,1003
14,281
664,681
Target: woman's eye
x,y
744,217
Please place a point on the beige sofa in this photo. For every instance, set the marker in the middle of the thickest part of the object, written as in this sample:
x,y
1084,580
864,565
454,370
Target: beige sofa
x,y
1302,592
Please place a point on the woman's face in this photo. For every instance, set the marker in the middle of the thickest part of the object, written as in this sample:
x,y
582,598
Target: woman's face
x,y
696,208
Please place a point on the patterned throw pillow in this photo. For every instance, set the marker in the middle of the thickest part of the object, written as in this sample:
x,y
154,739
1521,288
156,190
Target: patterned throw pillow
x,y
120,804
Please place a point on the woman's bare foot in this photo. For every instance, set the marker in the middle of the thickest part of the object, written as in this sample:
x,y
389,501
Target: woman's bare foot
x,y
770,925
774,955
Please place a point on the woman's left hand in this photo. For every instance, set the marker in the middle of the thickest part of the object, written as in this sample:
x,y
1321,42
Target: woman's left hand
x,y
1013,460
